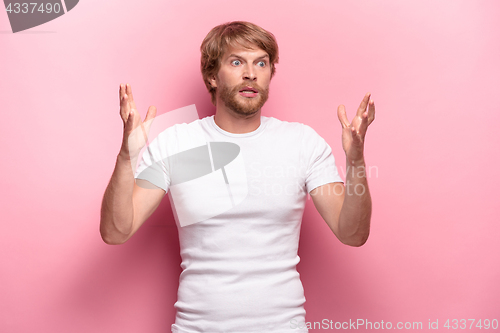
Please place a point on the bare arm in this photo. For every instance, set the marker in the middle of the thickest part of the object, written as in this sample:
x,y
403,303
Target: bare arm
x,y
347,210
125,205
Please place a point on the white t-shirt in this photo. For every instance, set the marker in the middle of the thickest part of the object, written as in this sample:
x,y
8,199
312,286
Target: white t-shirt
x,y
238,201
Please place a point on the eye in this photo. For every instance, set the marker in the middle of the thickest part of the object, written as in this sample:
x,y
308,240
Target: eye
x,y
261,64
236,62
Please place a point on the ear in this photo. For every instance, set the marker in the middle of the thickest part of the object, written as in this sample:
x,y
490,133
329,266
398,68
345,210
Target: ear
x,y
213,81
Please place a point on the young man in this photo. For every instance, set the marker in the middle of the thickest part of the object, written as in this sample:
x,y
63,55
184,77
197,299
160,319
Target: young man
x,y
238,183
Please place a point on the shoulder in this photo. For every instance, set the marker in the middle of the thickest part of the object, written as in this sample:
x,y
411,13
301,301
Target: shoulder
x,y
179,137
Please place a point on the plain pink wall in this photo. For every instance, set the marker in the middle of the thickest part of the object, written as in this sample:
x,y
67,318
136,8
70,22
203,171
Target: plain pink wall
x,y
433,70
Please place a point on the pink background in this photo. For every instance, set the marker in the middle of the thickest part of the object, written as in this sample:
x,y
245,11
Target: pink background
x,y
433,70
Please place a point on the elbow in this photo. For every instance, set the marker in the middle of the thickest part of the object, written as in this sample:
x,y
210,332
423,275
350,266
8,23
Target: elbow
x,y
111,241
355,241
112,238
358,243
355,234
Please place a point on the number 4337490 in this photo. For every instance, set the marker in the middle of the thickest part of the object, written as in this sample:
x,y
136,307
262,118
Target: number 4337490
x,y
24,8
471,323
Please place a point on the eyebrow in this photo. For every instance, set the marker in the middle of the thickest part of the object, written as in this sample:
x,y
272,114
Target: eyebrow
x,y
237,56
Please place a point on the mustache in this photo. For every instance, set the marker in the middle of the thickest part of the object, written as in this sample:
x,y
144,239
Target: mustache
x,y
248,85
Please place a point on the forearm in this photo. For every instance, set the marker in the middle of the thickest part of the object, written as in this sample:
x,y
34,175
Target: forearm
x,y
117,210
354,219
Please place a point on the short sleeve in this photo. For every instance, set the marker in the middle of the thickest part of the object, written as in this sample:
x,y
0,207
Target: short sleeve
x,y
153,165
321,168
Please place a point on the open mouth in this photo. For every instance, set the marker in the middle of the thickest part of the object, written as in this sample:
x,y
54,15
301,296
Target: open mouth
x,y
249,90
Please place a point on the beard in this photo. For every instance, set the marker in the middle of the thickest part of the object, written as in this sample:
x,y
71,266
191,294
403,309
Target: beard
x,y
245,106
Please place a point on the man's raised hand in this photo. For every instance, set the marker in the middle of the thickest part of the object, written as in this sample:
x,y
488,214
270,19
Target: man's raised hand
x,y
135,132
353,133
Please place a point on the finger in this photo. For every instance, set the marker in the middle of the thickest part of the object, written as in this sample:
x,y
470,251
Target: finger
x,y
129,123
366,119
371,111
121,92
124,107
129,92
131,97
356,137
343,117
363,126
363,105
123,102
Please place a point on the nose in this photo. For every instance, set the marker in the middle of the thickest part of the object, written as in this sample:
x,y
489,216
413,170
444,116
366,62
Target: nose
x,y
249,74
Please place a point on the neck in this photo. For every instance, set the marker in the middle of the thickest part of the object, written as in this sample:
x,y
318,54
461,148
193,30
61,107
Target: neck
x,y
233,122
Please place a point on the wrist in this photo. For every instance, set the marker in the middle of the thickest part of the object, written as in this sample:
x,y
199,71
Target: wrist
x,y
123,155
356,163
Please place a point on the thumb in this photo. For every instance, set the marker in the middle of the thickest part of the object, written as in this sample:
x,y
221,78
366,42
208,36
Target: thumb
x,y
343,117
150,116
